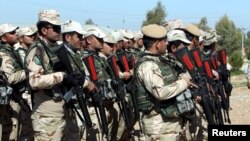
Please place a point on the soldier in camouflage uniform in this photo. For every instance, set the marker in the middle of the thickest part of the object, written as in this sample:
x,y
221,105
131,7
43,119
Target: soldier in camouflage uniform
x,y
94,41
155,81
197,128
48,117
26,37
12,67
72,33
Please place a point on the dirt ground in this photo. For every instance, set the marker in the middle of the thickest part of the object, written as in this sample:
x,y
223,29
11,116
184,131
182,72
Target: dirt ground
x,y
240,101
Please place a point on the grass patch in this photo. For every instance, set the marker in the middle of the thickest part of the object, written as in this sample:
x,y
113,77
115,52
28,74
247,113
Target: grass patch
x,y
237,72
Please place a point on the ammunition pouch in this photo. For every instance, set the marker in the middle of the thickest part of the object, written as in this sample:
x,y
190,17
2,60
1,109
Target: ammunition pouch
x,y
185,103
5,93
108,91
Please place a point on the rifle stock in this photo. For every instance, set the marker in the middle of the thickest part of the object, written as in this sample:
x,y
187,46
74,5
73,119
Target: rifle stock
x,y
97,96
120,90
76,89
196,70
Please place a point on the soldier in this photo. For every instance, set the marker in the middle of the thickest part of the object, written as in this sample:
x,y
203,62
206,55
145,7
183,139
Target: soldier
x,y
72,33
12,67
155,83
26,37
193,33
48,117
94,40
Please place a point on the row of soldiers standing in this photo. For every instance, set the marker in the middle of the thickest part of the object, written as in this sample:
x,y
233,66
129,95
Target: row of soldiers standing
x,y
76,92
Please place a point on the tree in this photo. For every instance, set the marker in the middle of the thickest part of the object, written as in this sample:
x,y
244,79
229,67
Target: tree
x,y
89,21
156,16
231,36
236,60
247,44
203,24
248,34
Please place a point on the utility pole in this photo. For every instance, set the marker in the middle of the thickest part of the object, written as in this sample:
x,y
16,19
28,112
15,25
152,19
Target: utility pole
x,y
242,41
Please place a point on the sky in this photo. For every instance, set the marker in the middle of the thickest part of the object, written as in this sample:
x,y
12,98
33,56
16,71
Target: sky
x,y
126,14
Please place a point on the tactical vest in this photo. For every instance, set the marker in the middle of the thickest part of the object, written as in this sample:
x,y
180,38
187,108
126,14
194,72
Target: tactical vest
x,y
101,66
104,74
42,51
17,64
146,101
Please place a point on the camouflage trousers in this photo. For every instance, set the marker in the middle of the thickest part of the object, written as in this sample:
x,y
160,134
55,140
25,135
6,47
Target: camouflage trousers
x,y
26,129
48,128
159,128
196,128
72,131
95,133
10,121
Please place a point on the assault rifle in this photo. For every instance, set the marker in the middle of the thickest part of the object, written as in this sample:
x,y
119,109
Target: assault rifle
x,y
224,72
196,70
221,88
120,90
216,89
125,67
8,92
97,97
76,88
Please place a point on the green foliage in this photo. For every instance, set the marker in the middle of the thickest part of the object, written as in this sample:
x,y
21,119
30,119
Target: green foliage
x,y
203,24
236,60
236,72
231,36
248,34
156,16
89,22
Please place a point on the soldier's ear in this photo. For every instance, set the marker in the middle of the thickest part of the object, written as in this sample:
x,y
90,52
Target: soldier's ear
x,y
21,39
44,30
4,39
88,40
68,37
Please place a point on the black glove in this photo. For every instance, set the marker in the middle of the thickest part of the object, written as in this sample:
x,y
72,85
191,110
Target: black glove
x,y
74,79
80,78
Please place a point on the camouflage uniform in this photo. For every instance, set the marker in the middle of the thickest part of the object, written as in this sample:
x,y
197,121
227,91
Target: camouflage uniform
x,y
48,117
156,83
26,132
12,67
103,75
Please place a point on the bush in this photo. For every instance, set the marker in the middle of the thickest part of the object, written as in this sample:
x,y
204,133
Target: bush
x,y
236,60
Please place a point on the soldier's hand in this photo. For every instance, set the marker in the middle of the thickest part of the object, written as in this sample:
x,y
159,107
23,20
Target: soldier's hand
x,y
215,74
126,75
198,99
91,87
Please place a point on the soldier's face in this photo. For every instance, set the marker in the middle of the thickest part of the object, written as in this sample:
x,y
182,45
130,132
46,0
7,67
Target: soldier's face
x,y
97,43
10,38
27,40
162,46
74,40
107,49
52,33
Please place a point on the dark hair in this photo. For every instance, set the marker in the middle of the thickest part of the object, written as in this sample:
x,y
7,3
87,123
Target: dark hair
x,y
42,24
190,36
148,42
175,43
69,33
210,47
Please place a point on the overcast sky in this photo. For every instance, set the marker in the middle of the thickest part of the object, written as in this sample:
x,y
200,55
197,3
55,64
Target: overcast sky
x,y
127,14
